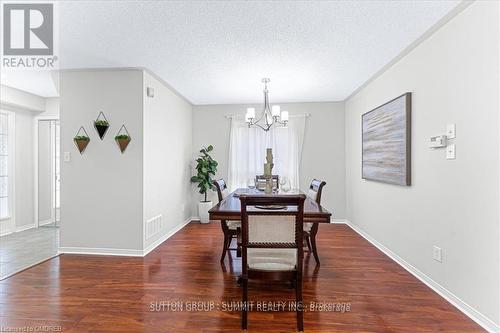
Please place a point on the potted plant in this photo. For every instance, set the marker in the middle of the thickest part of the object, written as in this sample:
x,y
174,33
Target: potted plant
x,y
123,141
206,167
81,142
101,125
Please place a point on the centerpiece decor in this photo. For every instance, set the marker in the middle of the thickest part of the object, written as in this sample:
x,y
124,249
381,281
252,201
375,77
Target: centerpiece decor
x,y
268,171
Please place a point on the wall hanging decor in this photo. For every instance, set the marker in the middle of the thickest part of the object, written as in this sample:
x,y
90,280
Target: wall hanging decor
x,y
386,142
101,125
81,139
123,138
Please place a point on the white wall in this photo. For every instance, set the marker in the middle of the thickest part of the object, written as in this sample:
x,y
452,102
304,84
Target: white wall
x,y
51,107
107,196
101,190
167,157
322,155
454,78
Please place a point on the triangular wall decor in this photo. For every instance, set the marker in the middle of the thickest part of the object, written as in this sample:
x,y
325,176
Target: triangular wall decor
x,y
123,138
101,125
81,139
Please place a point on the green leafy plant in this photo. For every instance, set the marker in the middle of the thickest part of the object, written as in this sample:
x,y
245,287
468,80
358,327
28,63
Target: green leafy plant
x,y
206,168
82,138
122,137
101,123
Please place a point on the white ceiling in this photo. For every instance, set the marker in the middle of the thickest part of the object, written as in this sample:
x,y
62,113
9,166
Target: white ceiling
x,y
218,51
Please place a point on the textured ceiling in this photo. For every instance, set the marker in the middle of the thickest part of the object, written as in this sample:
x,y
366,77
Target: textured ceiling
x,y
218,51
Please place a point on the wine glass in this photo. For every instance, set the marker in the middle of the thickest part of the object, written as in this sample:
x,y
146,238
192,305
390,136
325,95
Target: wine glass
x,y
282,181
286,185
251,183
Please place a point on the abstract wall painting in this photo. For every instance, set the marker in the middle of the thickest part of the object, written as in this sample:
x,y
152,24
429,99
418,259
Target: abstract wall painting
x,y
386,142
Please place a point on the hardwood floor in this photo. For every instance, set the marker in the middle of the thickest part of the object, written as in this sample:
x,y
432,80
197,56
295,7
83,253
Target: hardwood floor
x,y
114,294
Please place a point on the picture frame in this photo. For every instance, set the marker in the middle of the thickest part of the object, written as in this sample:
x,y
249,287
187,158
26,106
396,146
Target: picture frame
x,y
386,142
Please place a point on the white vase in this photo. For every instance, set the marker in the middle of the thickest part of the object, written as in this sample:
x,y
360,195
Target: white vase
x,y
203,208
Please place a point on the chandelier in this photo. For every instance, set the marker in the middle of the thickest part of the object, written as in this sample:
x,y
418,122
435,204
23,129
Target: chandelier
x,y
270,116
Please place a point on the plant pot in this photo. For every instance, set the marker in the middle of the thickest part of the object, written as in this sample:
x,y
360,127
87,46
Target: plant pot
x,y
123,143
101,130
203,208
81,144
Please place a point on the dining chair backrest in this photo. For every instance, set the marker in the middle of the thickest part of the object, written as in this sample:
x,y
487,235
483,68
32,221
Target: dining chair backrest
x,y
260,182
315,190
272,229
222,190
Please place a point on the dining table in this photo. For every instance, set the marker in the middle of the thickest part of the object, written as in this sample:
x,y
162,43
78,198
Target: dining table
x,y
230,208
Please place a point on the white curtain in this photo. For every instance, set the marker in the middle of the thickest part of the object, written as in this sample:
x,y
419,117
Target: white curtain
x,y
247,151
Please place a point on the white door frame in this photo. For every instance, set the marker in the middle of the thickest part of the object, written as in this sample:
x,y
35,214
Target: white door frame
x,y
12,172
35,151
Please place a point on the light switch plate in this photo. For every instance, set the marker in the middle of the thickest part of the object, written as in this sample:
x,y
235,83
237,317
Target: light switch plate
x,y
437,253
450,152
67,156
450,131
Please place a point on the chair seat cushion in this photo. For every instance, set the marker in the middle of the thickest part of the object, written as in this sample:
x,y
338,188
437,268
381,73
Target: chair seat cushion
x,y
233,225
308,227
272,259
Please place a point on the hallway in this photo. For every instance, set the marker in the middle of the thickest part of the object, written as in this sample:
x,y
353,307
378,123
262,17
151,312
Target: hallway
x,y
23,249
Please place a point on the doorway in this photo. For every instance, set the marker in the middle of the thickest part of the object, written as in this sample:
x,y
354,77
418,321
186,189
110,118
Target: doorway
x,y
30,234
49,176
7,156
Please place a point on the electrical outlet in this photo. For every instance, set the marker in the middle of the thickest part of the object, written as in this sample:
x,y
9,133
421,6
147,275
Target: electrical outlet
x,y
437,253
67,156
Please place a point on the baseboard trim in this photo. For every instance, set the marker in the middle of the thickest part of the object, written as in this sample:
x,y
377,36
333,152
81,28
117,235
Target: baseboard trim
x,y
468,310
338,221
100,251
122,252
19,229
25,227
49,221
163,238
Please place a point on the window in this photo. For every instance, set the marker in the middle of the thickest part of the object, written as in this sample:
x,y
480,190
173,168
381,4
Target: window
x,y
4,163
247,151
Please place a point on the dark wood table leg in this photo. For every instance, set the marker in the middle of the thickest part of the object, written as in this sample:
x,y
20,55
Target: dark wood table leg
x,y
312,237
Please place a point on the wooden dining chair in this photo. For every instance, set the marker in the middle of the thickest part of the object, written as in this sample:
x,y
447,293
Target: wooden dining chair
x,y
260,182
272,245
230,229
311,229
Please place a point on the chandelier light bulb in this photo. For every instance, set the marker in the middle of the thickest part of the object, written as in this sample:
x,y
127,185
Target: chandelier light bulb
x,y
276,111
284,116
251,113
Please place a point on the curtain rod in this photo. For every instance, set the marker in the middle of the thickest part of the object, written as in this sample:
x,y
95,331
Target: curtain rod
x,y
231,115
